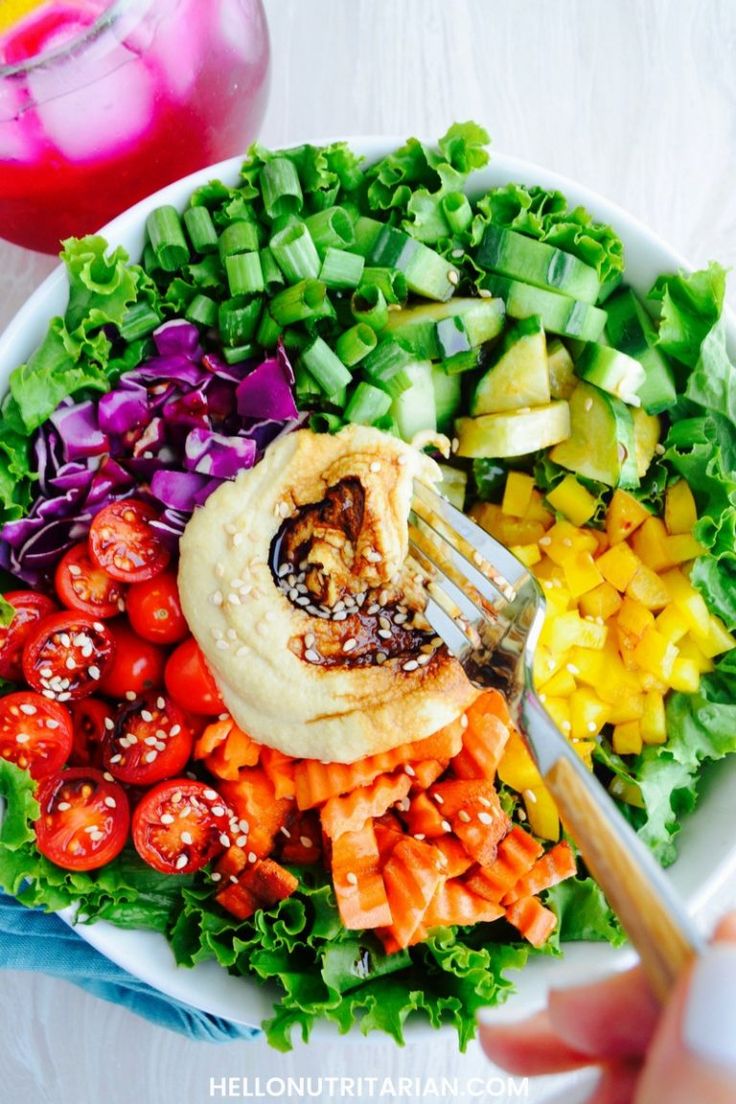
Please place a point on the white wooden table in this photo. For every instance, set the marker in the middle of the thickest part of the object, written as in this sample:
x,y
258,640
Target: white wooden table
x,y
636,99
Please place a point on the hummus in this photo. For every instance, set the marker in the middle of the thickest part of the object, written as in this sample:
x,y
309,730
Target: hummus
x,y
295,582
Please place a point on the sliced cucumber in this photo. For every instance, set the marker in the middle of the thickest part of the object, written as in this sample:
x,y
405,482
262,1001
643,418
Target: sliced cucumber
x,y
427,273
384,368
447,396
559,313
601,442
414,409
514,434
630,329
535,262
647,430
440,330
520,376
454,485
562,378
611,370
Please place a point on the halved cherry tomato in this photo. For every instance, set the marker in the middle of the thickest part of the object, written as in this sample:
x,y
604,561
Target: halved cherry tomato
x,y
190,681
81,585
35,733
122,542
180,825
155,611
29,608
84,819
92,720
151,741
138,666
67,654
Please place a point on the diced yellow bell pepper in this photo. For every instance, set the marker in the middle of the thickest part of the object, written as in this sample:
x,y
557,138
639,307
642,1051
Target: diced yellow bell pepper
x,y
624,790
545,664
618,566
627,738
581,574
650,683
517,494
584,749
649,544
529,554
685,675
586,664
517,768
571,499
626,708
537,511
542,813
601,540
715,639
689,649
569,628
655,654
671,624
559,711
588,713
647,587
653,724
563,538
548,572
634,618
508,530
626,643
603,601
618,684
680,548
625,514
680,512
687,600
561,685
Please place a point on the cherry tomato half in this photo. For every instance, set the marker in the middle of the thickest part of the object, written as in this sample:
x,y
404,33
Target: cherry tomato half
x,y
180,825
151,741
84,819
190,681
123,543
138,666
155,611
35,733
29,608
92,720
81,585
67,654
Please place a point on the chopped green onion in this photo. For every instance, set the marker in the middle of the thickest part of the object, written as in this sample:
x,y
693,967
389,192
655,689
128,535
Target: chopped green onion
x,y
386,368
269,331
341,269
240,353
354,344
140,320
457,210
388,424
237,320
427,273
295,253
299,302
280,188
202,310
367,232
167,238
150,260
305,384
273,277
244,274
369,305
331,227
206,273
283,222
391,282
201,229
367,404
462,362
326,367
325,423
238,237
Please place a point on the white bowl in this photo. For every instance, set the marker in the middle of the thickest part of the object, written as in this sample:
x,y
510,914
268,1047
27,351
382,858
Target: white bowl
x,y
707,843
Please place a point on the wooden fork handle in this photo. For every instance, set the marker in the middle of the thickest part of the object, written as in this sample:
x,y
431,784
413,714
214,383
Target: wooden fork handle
x,y
665,941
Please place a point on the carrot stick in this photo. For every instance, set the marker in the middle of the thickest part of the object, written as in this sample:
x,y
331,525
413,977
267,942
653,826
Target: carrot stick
x,y
411,877
348,813
517,853
556,865
535,922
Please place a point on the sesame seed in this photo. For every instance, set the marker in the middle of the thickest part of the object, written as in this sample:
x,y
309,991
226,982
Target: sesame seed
x,y
403,459
225,840
22,738
252,857
233,879
64,697
446,826
242,650
340,615
410,770
74,569
130,695
111,803
150,741
529,795
181,862
410,665
244,826
572,668
231,634
285,831
63,806
485,818
107,776
29,710
146,715
70,663
350,644
453,277
174,731
233,598
485,801
216,598
305,841
96,836
211,795
283,570
115,758
385,634
545,541
592,726
419,836
351,878
186,837
222,645
55,724
311,656
438,798
381,657
150,756
216,877
464,816
588,404
98,626
46,672
241,841
167,818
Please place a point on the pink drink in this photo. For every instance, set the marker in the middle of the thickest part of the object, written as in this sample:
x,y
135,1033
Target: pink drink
x,y
103,102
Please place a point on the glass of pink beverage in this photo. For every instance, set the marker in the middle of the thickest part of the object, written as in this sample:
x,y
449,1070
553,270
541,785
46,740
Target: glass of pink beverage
x,y
104,101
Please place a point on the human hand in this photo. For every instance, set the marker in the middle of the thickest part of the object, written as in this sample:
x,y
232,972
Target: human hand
x,y
684,1053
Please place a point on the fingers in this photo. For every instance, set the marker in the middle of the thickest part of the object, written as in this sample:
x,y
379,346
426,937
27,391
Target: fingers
x,y
726,928
612,1019
529,1048
617,1084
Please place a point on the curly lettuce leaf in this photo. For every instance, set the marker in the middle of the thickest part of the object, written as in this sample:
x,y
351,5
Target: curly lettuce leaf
x,y
583,913
690,305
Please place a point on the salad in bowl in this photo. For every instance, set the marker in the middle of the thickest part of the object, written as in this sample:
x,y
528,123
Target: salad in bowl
x,y
224,717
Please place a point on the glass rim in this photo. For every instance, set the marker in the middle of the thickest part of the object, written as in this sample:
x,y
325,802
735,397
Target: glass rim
x,y
103,20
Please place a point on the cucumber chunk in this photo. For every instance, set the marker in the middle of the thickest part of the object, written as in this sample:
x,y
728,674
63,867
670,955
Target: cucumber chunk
x,y
534,262
520,376
612,371
414,409
454,485
560,313
562,378
647,430
447,397
427,273
601,441
437,331
513,434
630,329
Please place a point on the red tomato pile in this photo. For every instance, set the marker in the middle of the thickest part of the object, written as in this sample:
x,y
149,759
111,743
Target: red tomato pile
x,y
112,692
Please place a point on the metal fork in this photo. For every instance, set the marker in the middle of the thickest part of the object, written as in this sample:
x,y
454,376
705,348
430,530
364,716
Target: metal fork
x,y
489,610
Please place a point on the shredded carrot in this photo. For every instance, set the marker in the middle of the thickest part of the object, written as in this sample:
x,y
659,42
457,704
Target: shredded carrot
x,y
454,903
535,922
557,864
280,769
253,799
517,853
411,877
425,817
350,812
359,886
474,811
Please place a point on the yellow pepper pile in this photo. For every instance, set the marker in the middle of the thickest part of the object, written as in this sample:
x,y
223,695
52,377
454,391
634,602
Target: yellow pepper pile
x,y
624,625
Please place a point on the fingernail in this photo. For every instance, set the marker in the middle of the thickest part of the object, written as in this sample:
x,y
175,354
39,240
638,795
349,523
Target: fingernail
x,y
709,1020
505,1015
